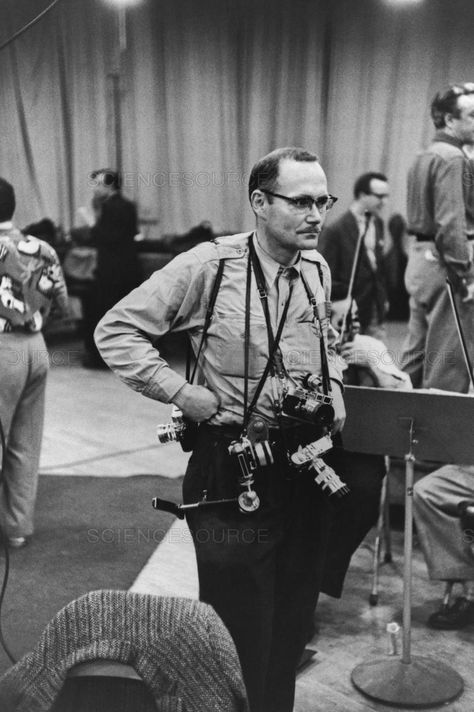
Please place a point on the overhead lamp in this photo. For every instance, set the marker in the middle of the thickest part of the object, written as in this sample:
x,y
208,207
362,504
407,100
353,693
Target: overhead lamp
x,y
403,2
123,3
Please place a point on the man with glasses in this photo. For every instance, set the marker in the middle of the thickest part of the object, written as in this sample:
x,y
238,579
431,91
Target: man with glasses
x,y
267,331
338,245
440,213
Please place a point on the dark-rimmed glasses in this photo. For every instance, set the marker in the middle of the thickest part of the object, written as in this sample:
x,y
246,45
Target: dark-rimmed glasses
x,y
306,202
380,196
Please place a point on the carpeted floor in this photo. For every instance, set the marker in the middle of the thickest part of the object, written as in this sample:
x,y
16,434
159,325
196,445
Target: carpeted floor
x,y
91,533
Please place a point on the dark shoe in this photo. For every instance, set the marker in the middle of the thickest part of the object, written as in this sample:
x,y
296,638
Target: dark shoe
x,y
459,615
17,542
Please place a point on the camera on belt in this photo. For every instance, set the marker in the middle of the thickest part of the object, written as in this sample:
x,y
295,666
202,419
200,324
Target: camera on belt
x,y
252,450
180,429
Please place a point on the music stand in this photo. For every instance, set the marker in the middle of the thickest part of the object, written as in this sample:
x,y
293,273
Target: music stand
x,y
434,426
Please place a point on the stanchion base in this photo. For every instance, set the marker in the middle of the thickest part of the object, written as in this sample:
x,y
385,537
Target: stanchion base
x,y
424,682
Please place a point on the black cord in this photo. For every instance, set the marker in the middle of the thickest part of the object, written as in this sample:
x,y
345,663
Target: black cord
x,y
28,25
4,541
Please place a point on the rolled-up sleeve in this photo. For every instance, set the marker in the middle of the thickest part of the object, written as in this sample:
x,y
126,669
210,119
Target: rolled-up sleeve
x,y
172,299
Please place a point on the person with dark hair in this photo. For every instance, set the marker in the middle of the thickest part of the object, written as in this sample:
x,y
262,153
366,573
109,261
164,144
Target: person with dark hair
x,y
31,282
117,271
261,536
440,213
338,245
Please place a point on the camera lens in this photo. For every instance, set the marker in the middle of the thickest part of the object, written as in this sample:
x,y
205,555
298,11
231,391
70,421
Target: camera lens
x,y
166,433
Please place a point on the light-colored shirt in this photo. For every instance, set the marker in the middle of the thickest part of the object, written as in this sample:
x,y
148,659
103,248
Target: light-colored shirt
x,y
31,281
440,201
175,298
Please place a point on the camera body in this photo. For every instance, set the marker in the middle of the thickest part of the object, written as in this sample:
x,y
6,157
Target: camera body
x,y
251,455
180,429
252,449
308,403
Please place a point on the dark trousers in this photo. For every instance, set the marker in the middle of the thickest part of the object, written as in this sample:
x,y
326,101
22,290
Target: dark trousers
x,y
354,514
261,571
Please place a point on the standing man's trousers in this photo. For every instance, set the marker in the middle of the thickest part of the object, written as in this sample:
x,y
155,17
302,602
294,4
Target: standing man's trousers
x,y
23,372
261,571
432,354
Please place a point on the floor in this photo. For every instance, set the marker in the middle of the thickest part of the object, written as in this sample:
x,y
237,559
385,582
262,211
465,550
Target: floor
x,y
96,426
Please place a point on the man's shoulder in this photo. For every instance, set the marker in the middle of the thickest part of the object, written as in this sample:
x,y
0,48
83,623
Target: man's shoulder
x,y
223,247
315,258
27,245
441,150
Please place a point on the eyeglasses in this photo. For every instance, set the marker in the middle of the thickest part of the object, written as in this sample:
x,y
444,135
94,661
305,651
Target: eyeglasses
x,y
306,202
380,196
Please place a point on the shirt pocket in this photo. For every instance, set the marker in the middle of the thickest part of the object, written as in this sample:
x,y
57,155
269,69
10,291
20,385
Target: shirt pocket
x,y
301,349
226,345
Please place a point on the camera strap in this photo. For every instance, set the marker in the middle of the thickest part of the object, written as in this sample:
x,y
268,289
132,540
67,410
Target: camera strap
x,y
318,321
207,322
273,341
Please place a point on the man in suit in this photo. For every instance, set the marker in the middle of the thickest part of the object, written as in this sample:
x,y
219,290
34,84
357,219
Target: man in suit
x,y
117,271
338,244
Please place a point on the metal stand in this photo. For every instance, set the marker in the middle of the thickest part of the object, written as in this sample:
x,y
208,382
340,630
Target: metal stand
x,y
409,681
382,532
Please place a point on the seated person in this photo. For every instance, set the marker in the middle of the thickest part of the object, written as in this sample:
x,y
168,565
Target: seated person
x,y
446,548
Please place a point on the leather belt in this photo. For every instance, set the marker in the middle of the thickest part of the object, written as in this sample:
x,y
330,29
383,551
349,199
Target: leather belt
x,y
431,238
424,238
293,433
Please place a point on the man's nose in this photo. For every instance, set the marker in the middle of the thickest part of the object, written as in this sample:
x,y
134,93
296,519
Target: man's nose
x,y
314,214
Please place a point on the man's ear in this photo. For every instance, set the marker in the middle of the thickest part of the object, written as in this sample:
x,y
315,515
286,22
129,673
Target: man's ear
x,y
448,120
258,202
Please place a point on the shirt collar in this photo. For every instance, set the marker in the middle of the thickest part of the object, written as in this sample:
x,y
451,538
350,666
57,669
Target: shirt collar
x,y
270,267
447,138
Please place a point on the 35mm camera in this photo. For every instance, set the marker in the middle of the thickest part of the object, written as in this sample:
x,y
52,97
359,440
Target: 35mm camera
x,y
180,429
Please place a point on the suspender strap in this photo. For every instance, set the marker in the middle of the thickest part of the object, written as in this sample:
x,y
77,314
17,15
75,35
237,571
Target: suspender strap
x,y
262,291
207,322
247,339
317,318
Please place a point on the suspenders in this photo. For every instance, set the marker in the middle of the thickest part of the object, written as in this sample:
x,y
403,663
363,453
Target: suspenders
x,y
253,265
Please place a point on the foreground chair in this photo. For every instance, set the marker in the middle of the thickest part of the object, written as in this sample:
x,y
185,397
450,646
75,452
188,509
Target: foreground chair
x,y
179,649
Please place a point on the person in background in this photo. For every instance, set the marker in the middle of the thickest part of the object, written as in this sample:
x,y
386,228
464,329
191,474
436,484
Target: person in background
x,y
447,549
31,282
259,565
395,262
440,211
117,272
338,245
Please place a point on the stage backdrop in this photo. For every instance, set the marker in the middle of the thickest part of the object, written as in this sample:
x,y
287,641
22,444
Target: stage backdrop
x,y
208,87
